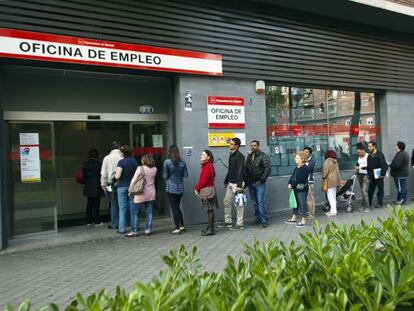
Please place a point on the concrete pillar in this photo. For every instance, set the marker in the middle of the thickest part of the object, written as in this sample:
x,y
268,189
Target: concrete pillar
x,y
3,188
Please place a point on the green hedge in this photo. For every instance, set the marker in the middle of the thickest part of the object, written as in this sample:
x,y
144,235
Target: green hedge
x,y
360,267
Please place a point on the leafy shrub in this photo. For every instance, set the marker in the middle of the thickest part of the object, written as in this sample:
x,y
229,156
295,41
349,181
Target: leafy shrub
x,y
360,267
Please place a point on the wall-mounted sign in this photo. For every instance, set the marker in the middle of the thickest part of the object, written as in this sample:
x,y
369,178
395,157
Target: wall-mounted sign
x,y
57,48
225,112
188,101
146,109
223,139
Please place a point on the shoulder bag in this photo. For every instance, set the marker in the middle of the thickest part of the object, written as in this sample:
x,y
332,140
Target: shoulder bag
x,y
207,193
139,185
325,184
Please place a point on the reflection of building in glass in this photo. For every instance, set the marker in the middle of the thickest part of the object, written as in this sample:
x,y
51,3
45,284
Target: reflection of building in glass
x,y
320,118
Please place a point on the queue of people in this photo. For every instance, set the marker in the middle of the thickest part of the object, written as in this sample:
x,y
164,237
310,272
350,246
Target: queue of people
x,y
130,187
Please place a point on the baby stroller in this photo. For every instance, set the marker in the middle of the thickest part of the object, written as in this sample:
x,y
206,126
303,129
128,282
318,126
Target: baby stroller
x,y
344,196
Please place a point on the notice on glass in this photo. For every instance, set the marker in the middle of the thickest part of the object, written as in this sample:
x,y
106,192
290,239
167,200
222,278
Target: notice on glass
x,y
30,164
157,141
29,139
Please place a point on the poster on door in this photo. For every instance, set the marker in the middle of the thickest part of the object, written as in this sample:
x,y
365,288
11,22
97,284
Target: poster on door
x,y
30,164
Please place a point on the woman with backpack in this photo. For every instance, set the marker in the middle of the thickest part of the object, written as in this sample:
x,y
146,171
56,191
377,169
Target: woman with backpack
x,y
144,180
205,189
174,171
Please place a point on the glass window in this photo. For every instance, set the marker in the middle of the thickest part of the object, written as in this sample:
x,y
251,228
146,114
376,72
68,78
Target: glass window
x,y
319,118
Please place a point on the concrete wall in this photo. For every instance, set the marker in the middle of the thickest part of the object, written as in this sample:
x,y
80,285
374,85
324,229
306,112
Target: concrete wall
x,y
396,113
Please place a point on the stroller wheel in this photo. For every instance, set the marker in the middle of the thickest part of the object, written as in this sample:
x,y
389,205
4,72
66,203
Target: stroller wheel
x,y
349,209
326,207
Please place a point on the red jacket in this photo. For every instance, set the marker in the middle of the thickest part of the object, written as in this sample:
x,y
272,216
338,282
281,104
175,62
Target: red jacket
x,y
207,176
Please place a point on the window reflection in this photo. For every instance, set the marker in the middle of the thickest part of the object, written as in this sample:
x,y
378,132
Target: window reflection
x,y
320,118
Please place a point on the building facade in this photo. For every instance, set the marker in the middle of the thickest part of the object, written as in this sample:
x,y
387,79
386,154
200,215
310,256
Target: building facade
x,y
331,81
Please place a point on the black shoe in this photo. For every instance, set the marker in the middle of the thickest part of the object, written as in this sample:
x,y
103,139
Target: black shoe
x,y
208,232
264,225
378,206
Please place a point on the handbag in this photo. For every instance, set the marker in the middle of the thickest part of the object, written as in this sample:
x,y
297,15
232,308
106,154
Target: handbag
x,y
207,193
325,185
139,185
80,176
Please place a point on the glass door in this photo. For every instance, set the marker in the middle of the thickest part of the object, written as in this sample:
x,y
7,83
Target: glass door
x,y
31,160
150,137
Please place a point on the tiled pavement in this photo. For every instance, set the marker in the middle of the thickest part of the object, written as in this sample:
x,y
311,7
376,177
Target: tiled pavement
x,y
55,274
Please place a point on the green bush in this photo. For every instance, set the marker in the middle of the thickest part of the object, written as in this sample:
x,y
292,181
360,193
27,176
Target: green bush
x,y
360,267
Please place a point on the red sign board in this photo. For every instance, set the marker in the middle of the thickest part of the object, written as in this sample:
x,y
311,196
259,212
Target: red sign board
x,y
58,48
225,112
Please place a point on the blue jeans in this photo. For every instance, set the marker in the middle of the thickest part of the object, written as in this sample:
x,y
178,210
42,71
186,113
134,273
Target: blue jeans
x,y
114,208
125,203
258,197
401,184
147,206
302,209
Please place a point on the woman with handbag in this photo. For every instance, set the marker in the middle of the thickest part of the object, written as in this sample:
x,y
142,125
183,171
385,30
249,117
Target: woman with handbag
x,y
205,189
298,183
174,171
142,188
331,180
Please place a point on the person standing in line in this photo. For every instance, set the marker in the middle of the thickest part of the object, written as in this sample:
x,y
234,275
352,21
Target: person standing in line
x,y
362,175
399,171
377,169
108,170
207,182
124,172
298,183
146,199
257,171
174,171
310,162
232,183
92,188
330,172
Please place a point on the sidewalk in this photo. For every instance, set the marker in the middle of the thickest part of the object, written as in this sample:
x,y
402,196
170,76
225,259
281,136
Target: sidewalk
x,y
55,274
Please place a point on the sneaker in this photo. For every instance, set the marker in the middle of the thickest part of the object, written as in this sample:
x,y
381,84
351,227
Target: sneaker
x,y
99,224
310,217
176,231
329,214
236,227
131,234
182,229
300,225
147,233
290,222
90,224
224,225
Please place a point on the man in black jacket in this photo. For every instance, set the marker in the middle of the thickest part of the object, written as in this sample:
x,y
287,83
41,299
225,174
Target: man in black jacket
x,y
399,170
377,169
257,171
232,183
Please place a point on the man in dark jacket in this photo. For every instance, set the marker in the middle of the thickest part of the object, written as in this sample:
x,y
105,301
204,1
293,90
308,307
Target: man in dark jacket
x,y
232,183
377,169
399,170
257,171
310,200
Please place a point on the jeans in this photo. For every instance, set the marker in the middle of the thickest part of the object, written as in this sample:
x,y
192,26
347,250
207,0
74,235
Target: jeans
x,y
374,183
302,209
147,206
175,200
401,184
114,208
258,197
92,210
125,203
364,184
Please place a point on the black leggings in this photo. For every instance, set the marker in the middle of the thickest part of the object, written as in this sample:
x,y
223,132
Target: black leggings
x,y
175,200
92,210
